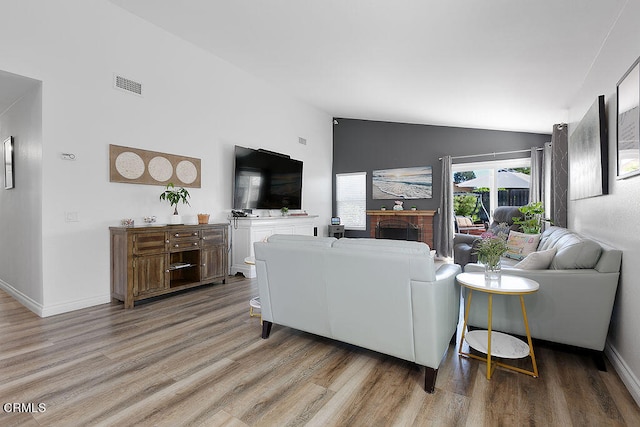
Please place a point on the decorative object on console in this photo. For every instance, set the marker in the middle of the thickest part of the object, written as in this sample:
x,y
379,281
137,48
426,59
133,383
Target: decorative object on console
x,y
8,163
588,154
284,210
149,219
203,218
136,166
628,122
406,183
398,205
174,196
383,208
127,222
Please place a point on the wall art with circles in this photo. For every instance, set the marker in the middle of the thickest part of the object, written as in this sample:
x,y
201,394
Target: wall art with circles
x,y
137,166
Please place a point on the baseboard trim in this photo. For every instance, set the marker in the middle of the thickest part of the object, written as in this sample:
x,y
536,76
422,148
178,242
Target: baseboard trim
x,y
626,375
22,298
52,310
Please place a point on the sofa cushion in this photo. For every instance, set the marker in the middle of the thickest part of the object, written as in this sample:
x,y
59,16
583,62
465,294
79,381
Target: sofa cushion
x,y
302,239
387,245
539,260
572,250
519,245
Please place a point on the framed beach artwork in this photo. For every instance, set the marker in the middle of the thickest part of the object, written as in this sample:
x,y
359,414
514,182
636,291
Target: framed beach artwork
x,y
403,183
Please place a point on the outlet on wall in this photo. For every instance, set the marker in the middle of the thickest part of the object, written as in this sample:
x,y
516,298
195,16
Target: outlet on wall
x,y
71,217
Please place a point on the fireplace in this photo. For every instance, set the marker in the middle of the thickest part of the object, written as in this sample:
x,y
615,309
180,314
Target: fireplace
x,y
397,229
402,225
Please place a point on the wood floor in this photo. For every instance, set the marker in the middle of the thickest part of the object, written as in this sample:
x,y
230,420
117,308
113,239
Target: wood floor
x,y
197,359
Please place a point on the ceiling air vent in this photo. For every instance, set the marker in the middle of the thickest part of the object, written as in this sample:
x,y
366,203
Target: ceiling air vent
x,y
127,85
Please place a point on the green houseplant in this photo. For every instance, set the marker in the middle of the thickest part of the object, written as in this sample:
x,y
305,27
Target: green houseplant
x,y
490,249
531,223
174,196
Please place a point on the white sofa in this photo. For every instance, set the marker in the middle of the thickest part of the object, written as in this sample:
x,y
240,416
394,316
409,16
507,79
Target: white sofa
x,y
574,303
383,295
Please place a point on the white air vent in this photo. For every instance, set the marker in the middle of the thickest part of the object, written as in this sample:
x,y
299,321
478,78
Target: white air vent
x,y
127,85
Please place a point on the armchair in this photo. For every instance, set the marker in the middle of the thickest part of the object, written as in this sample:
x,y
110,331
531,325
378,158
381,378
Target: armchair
x,y
463,244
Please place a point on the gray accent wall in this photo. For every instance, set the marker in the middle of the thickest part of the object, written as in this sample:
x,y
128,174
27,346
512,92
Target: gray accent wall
x,y
363,145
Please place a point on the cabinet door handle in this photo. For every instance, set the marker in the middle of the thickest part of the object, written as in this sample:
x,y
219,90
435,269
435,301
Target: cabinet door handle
x,y
166,271
195,233
177,235
176,245
204,265
195,243
166,241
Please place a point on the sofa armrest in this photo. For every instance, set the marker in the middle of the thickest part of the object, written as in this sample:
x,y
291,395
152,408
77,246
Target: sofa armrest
x,y
464,238
436,308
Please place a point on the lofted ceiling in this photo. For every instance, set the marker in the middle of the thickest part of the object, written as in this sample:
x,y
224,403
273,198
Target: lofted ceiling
x,y
12,88
493,64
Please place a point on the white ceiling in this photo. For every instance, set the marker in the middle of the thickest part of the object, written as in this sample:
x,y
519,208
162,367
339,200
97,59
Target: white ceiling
x,y
494,64
12,88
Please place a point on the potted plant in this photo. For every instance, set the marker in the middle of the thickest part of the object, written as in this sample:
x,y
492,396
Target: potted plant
x,y
531,222
490,249
174,196
284,210
383,208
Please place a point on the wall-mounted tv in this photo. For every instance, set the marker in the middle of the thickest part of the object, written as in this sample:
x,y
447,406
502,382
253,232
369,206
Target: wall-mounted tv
x,y
266,180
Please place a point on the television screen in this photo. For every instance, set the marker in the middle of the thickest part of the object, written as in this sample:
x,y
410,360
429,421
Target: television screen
x,y
266,180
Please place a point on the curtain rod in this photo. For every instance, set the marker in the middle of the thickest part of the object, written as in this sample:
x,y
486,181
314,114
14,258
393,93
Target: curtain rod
x,y
528,150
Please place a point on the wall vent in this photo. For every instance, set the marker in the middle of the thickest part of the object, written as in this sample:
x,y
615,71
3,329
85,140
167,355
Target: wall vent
x,y
127,85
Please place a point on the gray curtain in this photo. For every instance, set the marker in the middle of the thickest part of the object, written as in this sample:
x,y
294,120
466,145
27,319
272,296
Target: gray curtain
x,y
535,185
444,222
559,174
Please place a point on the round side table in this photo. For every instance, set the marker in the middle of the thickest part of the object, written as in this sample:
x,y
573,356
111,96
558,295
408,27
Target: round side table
x,y
498,344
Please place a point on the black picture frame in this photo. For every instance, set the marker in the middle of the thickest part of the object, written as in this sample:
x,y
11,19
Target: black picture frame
x,y
628,123
7,150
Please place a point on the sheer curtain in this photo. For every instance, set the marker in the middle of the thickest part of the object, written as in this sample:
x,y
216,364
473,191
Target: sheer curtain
x,y
444,223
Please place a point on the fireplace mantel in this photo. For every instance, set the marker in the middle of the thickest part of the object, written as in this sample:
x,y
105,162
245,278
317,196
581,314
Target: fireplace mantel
x,y
422,219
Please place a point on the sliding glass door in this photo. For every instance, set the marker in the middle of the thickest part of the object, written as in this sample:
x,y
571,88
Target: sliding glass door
x,y
489,185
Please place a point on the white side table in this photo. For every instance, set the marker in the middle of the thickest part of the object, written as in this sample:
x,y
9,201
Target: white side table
x,y
498,344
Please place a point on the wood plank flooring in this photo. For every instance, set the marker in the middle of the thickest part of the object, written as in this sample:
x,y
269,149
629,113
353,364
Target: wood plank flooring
x,y
197,359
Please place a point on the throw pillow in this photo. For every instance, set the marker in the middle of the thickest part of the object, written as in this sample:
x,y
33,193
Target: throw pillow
x,y
540,260
519,245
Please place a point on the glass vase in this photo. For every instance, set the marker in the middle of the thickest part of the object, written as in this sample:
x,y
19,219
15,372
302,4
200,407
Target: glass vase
x,y
492,271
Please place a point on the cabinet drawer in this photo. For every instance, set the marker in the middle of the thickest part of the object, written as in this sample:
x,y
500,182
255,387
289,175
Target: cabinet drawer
x,y
180,240
184,234
213,237
149,243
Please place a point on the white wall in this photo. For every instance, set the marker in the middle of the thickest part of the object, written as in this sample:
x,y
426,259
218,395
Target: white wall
x,y
614,218
21,207
194,104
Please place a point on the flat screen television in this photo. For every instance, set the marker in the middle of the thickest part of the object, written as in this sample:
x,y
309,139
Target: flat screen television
x,y
266,180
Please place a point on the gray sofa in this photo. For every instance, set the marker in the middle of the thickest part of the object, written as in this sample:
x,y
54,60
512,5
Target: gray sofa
x,y
383,295
463,244
574,303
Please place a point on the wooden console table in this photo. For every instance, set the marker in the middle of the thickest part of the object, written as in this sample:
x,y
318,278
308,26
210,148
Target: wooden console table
x,y
148,261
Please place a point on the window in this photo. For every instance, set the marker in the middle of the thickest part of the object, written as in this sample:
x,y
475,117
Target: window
x,y
493,185
351,201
